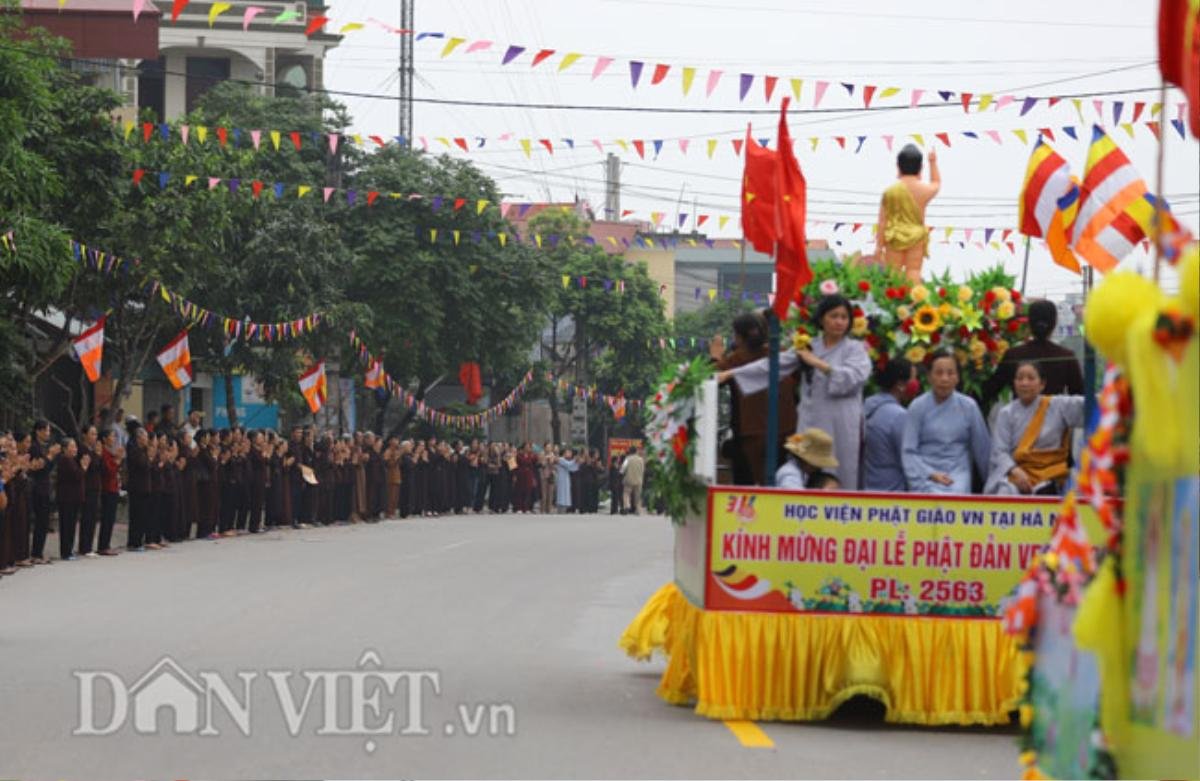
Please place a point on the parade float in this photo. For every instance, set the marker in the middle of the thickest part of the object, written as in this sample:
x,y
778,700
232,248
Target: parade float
x,y
785,604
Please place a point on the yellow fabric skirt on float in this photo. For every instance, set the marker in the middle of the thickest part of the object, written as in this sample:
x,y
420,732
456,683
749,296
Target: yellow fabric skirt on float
x,y
801,667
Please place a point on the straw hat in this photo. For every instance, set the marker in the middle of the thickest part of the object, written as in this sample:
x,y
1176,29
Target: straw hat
x,y
814,446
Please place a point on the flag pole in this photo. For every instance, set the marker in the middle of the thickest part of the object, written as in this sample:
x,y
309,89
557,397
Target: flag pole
x,y
1159,206
1025,267
773,389
1089,356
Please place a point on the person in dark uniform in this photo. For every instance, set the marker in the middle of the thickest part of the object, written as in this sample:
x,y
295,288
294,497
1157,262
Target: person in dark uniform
x,y
376,480
259,460
70,471
616,486
112,457
41,457
93,486
208,487
138,468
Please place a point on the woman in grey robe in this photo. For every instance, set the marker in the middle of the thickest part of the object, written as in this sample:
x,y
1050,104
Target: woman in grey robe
x,y
835,368
944,434
562,481
1032,462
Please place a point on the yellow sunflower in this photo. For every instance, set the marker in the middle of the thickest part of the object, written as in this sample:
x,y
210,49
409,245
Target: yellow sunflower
x,y
927,320
859,327
915,354
919,294
965,294
1005,310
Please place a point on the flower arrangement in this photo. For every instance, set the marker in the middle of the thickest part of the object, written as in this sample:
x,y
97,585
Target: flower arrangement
x,y
977,320
671,438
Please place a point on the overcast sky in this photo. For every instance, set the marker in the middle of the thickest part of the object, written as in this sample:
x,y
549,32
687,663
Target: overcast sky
x,y
1016,47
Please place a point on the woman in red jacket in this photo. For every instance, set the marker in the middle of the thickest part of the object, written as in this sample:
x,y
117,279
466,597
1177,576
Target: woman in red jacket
x,y
110,489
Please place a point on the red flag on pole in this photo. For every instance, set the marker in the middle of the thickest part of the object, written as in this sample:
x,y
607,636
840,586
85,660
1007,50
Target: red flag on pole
x,y
758,196
1179,52
791,206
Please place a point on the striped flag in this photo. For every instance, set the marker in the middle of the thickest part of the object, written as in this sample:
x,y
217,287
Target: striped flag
x,y
312,385
1104,232
1049,203
89,347
176,361
374,375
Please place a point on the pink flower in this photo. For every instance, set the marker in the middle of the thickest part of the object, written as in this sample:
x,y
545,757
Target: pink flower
x,y
829,287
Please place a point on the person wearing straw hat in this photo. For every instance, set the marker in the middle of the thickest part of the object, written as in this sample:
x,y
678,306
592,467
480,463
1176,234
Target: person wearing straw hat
x,y
810,453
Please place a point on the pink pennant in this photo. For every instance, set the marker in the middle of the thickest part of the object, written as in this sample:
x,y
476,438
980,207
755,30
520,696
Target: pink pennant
x,y
138,7
820,93
506,137
184,130
888,140
994,135
328,191
479,46
683,145
248,17
602,64
916,97
597,143
714,76
213,181
1003,101
256,137
333,143
1099,106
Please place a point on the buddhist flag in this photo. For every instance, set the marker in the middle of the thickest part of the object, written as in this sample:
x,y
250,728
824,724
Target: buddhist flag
x,y
89,347
1104,232
312,385
617,403
1049,203
176,361
374,375
792,272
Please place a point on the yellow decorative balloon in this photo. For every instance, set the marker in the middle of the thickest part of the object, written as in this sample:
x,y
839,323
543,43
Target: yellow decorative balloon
x,y
1113,306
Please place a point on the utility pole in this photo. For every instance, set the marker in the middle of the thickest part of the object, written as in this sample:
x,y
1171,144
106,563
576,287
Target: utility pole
x,y
612,187
406,73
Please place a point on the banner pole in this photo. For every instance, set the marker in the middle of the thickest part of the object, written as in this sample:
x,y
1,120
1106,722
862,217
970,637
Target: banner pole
x,y
1025,267
772,392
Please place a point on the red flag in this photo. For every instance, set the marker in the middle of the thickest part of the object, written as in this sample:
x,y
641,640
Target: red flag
x,y
1179,52
758,196
791,206
469,376
177,8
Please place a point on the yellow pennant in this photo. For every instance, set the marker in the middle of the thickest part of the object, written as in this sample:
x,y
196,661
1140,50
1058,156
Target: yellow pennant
x,y
350,27
948,232
275,138
568,60
216,10
457,233
187,180
503,237
526,146
1078,108
1128,128
712,147
433,235
537,238
712,294
358,139
887,93
688,75
473,268
737,244
797,88
480,205
1019,133
692,242
128,129
623,144
814,141
920,139
566,281
443,141
451,45
303,190
724,218
1155,109
649,242
612,240
165,295
202,133
985,101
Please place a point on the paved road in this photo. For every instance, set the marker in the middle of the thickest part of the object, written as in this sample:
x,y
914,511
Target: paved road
x,y
519,612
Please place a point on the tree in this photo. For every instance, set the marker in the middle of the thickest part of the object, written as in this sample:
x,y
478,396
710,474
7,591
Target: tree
x,y
707,321
599,333
433,305
58,156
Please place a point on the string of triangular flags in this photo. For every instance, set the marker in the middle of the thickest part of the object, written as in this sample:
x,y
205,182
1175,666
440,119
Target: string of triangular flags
x,y
353,197
645,148
617,403
195,315
657,73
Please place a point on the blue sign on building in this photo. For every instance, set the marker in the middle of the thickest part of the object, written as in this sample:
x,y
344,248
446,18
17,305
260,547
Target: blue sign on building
x,y
252,409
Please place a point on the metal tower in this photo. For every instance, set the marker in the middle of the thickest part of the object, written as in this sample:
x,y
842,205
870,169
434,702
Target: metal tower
x,y
406,72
